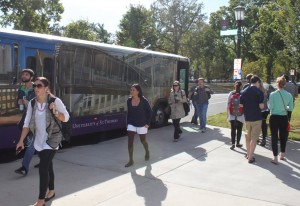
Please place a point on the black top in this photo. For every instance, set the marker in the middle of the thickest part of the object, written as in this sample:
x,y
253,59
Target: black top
x,y
250,99
139,115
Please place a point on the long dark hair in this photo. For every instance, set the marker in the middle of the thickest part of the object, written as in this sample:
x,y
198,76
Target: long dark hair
x,y
237,86
139,89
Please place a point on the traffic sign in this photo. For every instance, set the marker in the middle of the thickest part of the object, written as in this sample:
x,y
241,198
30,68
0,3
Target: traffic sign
x,y
229,32
237,69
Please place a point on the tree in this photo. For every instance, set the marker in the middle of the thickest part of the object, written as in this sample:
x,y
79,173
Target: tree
x,y
82,29
137,28
31,15
174,19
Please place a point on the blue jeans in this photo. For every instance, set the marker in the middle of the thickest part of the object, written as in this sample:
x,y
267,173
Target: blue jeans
x,y
202,111
29,152
195,117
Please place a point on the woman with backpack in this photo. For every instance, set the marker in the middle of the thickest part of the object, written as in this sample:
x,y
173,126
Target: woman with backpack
x,y
176,99
235,115
43,121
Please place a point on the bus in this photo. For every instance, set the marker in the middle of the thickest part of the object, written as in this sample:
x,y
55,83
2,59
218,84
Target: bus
x,y
92,79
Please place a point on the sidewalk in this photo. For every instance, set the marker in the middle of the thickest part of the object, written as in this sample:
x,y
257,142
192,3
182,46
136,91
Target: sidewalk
x,y
200,169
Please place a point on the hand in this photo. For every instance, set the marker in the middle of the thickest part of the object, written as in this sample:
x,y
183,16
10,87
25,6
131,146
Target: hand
x,y
147,126
20,146
207,89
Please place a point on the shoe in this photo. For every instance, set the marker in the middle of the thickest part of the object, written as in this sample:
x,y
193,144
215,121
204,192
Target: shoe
x,y
203,130
246,156
232,147
282,158
37,165
263,143
21,171
130,163
251,161
49,198
175,140
147,156
274,162
239,145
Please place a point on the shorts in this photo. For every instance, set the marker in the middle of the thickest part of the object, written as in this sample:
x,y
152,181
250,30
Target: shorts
x,y
253,130
138,130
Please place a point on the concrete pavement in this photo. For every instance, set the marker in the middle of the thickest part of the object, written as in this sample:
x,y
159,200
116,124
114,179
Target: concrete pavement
x,y
200,169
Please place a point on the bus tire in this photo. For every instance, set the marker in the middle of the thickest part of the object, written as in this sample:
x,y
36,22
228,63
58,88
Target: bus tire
x,y
160,118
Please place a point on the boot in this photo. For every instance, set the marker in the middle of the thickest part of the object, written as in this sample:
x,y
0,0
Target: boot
x,y
130,152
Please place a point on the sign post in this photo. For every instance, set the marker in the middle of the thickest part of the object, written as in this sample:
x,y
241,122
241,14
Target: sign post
x,y
237,69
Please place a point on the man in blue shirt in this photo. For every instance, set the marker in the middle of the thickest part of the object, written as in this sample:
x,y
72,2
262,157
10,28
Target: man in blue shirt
x,y
252,100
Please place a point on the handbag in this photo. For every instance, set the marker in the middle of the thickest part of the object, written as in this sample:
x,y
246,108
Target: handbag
x,y
288,128
186,106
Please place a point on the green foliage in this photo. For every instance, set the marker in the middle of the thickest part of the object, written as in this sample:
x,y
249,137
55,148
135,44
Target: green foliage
x,y
31,15
137,28
174,20
82,29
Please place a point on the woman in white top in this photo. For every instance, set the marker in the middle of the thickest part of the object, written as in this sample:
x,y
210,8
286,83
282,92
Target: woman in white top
x,y
42,120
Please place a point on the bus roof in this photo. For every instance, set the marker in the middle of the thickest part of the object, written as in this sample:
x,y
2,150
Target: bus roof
x,y
57,39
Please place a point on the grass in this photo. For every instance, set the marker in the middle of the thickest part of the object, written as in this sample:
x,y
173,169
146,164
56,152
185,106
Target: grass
x,y
220,120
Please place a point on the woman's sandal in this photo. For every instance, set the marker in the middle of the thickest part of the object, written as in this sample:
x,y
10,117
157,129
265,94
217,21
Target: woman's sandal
x,y
282,158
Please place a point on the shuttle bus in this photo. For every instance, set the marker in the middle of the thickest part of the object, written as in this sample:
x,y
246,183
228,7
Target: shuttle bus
x,y
92,79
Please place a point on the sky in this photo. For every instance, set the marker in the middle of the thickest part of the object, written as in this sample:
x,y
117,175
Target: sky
x,y
110,12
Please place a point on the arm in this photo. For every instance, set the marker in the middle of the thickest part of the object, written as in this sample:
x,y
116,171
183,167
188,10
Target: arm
x,y
62,113
25,129
148,111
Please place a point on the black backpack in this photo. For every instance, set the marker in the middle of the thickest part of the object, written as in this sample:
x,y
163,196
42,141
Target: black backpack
x,y
66,127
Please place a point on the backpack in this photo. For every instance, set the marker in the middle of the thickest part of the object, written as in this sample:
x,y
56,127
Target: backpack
x,y
186,106
65,128
234,105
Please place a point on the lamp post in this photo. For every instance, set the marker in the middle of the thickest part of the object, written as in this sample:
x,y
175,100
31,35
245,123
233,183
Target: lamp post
x,y
239,12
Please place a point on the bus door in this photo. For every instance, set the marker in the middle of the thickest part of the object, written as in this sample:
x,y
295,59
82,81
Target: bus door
x,y
183,74
41,61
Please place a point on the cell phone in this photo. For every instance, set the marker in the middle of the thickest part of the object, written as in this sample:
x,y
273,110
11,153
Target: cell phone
x,y
18,150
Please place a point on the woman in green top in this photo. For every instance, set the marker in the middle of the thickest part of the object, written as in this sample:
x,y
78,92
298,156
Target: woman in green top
x,y
280,102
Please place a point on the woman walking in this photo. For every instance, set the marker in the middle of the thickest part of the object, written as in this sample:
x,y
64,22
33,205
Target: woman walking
x,y
281,102
138,120
236,120
42,120
176,99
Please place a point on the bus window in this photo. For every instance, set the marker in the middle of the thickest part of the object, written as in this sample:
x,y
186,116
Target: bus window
x,y
31,63
6,70
48,68
182,68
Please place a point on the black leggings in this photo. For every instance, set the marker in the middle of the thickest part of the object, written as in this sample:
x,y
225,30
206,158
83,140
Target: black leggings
x,y
278,123
264,125
236,130
46,171
177,130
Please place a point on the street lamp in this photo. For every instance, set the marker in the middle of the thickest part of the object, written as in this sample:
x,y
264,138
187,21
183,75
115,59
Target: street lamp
x,y
239,12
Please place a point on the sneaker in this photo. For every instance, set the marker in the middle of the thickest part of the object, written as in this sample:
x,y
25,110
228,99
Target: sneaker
x,y
263,143
203,130
232,147
21,171
239,145
175,140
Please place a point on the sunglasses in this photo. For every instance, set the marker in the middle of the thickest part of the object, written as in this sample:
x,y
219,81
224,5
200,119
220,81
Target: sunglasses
x,y
37,86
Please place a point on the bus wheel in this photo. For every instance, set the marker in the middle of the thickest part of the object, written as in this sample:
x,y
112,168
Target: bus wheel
x,y
160,117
